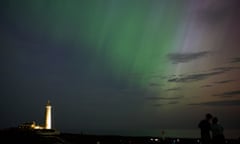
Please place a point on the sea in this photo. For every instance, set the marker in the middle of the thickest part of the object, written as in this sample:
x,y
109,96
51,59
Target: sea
x,y
168,133
194,133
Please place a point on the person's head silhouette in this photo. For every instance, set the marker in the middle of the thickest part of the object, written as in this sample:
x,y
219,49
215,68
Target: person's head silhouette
x,y
208,116
215,120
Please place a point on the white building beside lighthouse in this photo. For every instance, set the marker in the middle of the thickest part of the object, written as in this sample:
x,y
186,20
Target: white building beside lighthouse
x,y
48,116
45,129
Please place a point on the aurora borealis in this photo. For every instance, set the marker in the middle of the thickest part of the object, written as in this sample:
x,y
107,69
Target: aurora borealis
x,y
120,66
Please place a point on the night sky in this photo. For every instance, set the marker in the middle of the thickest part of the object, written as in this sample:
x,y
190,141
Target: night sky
x,y
120,66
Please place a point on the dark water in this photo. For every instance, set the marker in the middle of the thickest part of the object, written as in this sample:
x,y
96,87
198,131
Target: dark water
x,y
195,133
16,136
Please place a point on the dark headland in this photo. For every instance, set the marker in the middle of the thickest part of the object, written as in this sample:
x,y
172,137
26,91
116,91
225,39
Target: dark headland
x,y
21,136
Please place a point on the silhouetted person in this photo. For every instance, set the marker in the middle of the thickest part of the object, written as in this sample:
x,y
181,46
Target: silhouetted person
x,y
217,132
205,127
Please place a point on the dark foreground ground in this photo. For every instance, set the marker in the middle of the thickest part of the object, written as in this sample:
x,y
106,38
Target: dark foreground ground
x,y
18,136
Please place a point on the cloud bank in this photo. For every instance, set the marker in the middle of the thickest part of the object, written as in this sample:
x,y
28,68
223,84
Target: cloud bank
x,y
202,76
195,77
235,60
186,57
218,103
164,98
229,94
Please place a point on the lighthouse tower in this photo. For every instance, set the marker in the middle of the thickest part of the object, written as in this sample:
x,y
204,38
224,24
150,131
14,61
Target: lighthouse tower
x,y
48,119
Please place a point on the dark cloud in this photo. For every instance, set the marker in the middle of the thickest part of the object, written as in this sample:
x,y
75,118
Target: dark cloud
x,y
218,103
224,81
186,57
195,77
169,103
164,98
174,89
235,60
229,94
202,76
205,86
226,69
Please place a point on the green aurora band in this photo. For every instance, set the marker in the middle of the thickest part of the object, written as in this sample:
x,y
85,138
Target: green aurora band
x,y
130,37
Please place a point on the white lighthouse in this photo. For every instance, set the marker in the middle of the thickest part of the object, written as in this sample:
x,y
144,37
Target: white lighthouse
x,y
48,116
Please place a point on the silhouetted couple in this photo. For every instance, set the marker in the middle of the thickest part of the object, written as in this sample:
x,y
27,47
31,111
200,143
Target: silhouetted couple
x,y
210,123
